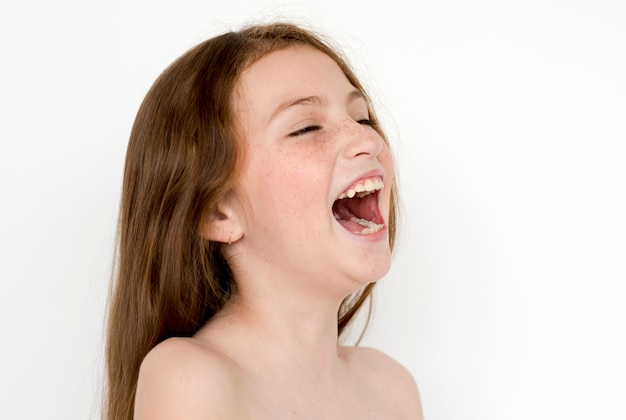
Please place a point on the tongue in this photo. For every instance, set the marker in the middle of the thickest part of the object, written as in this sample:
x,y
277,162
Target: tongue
x,y
352,225
351,215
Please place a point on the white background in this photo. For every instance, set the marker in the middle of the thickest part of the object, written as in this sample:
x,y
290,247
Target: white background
x,y
507,298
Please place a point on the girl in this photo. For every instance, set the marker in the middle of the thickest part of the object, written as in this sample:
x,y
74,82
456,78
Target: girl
x,y
258,211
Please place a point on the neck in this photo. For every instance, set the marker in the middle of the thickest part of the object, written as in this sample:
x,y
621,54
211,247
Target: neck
x,y
278,332
282,321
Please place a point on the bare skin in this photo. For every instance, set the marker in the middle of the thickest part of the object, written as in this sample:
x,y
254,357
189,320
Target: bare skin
x,y
364,384
272,352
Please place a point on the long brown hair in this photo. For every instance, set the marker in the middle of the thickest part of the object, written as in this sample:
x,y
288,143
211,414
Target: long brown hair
x,y
182,160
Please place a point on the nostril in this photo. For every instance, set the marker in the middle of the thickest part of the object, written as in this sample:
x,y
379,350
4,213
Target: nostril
x,y
369,144
362,138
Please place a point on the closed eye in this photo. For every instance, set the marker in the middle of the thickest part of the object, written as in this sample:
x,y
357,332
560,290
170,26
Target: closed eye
x,y
367,121
305,130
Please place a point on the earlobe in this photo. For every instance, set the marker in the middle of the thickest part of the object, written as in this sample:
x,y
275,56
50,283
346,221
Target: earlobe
x,y
221,225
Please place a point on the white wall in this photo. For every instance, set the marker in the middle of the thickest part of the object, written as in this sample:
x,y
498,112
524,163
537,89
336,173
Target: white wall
x,y
506,300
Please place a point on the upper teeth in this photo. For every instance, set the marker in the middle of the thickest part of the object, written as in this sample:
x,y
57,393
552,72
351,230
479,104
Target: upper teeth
x,y
363,188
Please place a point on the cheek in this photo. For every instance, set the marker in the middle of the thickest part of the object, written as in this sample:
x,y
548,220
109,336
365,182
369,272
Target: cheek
x,y
386,159
284,183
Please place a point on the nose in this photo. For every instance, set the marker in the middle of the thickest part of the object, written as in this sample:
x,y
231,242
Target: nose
x,y
362,140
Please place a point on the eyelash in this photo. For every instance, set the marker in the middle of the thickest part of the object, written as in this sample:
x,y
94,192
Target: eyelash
x,y
365,121
305,130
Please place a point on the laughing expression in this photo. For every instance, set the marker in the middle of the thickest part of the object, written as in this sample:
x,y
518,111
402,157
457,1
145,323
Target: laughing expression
x,y
316,180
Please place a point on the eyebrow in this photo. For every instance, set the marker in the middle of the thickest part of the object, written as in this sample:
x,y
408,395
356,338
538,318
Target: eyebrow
x,y
351,97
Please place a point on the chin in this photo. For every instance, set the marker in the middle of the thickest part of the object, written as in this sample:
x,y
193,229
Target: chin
x,y
370,272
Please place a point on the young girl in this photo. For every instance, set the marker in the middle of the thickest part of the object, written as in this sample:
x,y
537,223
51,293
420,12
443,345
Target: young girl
x,y
258,211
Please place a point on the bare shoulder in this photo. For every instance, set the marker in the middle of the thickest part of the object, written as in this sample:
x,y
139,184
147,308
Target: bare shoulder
x,y
390,377
181,378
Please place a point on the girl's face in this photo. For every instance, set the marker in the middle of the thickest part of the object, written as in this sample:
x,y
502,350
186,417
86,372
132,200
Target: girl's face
x,y
317,177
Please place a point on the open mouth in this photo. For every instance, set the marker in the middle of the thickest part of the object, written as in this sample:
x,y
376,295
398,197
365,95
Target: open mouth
x,y
356,209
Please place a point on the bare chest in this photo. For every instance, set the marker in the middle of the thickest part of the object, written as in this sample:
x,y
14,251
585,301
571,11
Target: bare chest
x,y
278,403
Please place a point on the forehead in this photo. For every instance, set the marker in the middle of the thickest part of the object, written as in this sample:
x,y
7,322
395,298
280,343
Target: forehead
x,y
289,74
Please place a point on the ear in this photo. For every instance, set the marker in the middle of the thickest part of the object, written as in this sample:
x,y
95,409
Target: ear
x,y
221,225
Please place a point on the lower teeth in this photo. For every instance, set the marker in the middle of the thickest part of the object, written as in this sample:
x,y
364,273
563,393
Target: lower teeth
x,y
370,227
